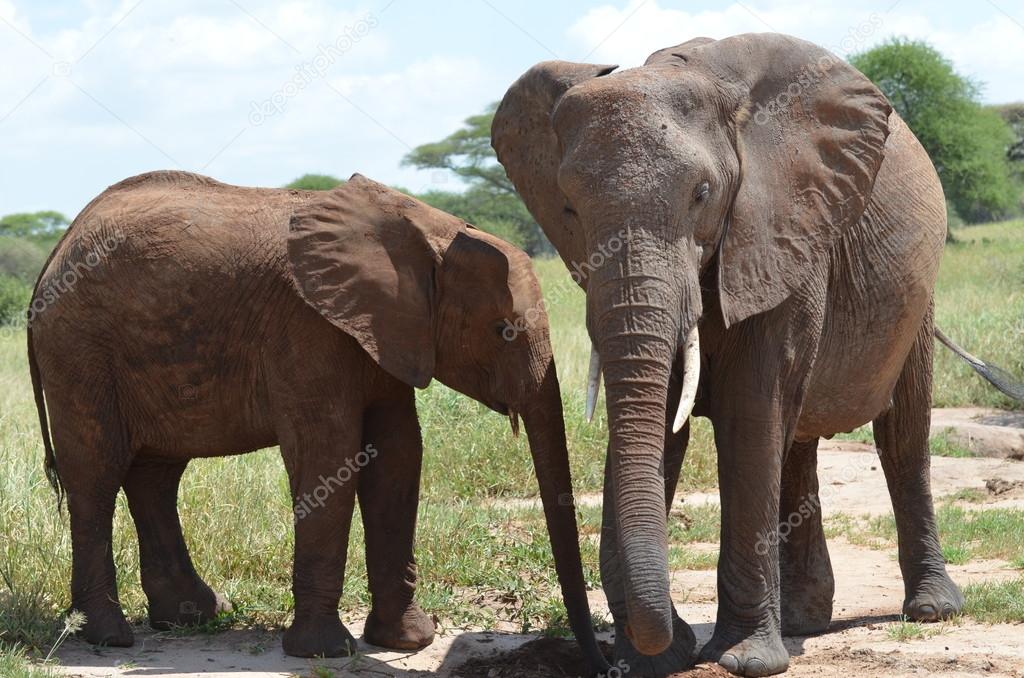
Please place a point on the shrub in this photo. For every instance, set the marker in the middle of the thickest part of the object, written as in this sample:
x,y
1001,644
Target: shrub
x,y
14,297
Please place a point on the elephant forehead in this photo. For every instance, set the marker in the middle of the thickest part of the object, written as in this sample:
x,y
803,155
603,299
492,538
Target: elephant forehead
x,y
642,93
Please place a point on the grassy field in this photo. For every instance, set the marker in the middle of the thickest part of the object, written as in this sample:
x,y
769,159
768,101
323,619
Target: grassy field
x,y
480,564
980,305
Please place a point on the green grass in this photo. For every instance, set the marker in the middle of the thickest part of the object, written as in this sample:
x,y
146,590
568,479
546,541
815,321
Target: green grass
x,y
980,305
862,434
480,564
944,446
15,663
995,603
682,558
965,534
940,446
970,495
905,630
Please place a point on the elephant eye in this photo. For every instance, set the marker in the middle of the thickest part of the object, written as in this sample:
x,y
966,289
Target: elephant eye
x,y
702,192
506,330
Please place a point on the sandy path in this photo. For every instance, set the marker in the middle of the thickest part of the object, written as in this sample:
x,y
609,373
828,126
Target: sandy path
x,y
869,593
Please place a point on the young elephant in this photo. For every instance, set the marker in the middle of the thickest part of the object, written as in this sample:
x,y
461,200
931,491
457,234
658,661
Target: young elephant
x,y
181,317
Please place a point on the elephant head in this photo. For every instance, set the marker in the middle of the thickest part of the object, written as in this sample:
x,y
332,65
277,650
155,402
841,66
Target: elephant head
x,y
427,295
707,180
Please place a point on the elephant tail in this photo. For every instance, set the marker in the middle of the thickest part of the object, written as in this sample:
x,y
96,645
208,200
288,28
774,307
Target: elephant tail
x,y
997,376
50,460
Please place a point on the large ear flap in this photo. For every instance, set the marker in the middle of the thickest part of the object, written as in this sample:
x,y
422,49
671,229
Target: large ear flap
x,y
525,142
809,132
364,256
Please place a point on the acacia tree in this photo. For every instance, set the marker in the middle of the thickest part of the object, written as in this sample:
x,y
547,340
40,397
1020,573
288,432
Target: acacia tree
x,y
967,142
490,200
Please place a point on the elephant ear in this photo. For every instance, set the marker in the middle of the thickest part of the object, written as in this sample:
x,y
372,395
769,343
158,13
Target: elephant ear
x,y
525,142
809,132
364,256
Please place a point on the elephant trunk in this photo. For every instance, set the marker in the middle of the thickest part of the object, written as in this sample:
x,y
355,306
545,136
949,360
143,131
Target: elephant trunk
x,y
545,429
637,303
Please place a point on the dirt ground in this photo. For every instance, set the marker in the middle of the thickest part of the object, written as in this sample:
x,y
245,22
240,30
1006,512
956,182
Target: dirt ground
x,y
869,592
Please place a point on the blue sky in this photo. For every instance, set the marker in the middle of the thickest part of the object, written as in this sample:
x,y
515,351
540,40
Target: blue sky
x,y
257,92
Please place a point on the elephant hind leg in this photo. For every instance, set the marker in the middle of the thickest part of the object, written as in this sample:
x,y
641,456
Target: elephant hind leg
x,y
806,581
901,434
177,595
92,459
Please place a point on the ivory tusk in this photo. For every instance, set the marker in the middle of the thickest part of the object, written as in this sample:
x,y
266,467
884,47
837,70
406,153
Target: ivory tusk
x,y
691,377
593,383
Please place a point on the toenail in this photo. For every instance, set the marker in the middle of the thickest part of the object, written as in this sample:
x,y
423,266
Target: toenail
x,y
756,667
926,611
729,662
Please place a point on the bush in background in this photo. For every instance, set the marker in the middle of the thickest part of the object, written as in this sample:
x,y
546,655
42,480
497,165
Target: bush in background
x,y
14,298
21,258
315,182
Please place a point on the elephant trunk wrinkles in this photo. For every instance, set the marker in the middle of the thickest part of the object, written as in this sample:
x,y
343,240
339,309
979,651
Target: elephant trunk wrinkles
x,y
545,429
634,315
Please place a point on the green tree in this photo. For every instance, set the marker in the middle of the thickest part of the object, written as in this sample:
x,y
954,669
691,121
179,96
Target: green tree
x,y
22,257
490,201
45,223
1013,115
967,142
315,182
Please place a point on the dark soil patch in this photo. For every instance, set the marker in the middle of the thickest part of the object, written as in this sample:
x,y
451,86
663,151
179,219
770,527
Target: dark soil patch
x,y
552,658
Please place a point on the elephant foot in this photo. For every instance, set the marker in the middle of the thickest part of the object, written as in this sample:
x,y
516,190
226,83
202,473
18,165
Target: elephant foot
x,y
933,598
746,653
310,636
678,657
806,604
105,625
412,630
189,604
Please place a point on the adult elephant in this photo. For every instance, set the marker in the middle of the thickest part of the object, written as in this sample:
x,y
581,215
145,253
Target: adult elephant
x,y
750,210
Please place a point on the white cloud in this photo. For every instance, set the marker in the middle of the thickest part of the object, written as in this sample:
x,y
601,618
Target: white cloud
x,y
179,86
992,49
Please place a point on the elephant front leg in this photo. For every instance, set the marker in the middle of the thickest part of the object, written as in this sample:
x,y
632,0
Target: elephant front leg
x,y
807,584
322,475
388,490
901,435
760,376
748,632
680,653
